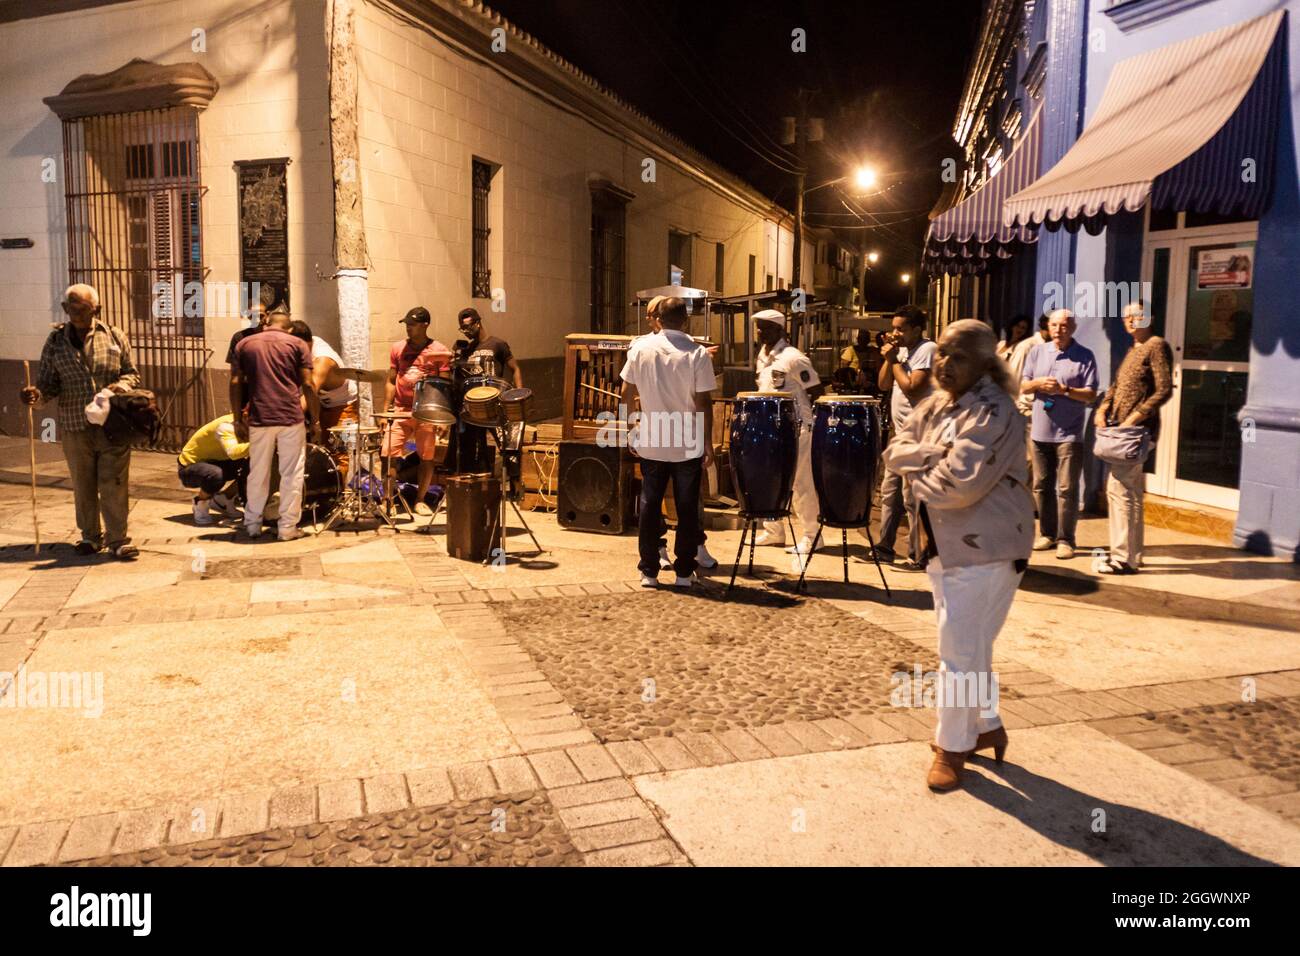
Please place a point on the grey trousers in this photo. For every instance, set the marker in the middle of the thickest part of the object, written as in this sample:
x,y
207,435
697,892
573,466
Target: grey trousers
x,y
1056,487
895,497
100,475
1125,491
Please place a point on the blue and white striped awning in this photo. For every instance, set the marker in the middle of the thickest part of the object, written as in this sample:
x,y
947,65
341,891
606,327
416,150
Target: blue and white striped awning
x,y
1178,126
966,236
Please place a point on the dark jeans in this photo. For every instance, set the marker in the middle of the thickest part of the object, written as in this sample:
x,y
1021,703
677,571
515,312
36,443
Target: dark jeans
x,y
685,476
1056,487
211,476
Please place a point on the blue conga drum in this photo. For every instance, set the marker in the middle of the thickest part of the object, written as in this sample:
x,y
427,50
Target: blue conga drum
x,y
846,445
764,452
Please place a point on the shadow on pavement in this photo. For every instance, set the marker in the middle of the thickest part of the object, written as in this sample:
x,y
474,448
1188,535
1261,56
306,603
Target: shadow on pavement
x,y
1066,816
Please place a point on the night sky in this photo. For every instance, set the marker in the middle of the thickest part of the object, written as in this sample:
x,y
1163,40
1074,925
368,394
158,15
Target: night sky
x,y
720,74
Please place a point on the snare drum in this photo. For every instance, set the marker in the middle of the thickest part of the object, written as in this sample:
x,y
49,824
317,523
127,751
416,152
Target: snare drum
x,y
764,452
846,443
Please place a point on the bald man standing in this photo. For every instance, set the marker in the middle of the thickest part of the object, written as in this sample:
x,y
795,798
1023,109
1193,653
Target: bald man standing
x,y
81,358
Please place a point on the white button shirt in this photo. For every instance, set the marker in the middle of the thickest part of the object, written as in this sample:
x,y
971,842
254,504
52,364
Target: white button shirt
x,y
669,369
786,369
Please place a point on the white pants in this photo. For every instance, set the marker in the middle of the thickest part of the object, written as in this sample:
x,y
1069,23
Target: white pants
x,y
803,504
971,605
1125,489
290,442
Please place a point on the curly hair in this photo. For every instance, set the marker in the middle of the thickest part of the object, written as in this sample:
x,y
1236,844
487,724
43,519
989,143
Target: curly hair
x,y
980,341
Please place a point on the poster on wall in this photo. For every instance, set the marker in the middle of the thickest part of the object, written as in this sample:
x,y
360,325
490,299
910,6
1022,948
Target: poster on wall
x,y
1224,268
264,228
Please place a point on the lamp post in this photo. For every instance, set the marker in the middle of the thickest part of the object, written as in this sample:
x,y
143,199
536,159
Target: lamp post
x,y
906,278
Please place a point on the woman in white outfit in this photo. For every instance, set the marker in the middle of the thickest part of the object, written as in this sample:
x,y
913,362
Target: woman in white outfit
x,y
963,453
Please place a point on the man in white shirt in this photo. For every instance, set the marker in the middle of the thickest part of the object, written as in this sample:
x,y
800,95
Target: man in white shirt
x,y
907,358
1025,402
783,368
670,377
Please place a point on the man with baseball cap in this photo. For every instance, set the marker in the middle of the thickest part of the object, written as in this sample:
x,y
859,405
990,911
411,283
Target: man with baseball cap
x,y
783,368
409,360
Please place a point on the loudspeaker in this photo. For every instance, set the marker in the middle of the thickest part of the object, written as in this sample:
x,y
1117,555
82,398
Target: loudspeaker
x,y
595,488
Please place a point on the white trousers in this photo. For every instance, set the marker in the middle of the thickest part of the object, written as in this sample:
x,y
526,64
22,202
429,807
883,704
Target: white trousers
x,y
803,503
290,442
1125,490
971,605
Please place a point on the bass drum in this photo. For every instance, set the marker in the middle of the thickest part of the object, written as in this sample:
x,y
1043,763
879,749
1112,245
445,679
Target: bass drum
x,y
764,452
322,487
846,443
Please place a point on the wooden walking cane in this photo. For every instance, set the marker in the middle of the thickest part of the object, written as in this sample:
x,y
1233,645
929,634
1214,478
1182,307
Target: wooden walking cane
x,y
31,447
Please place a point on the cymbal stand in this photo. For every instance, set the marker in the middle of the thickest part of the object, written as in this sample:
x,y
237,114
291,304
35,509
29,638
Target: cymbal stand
x,y
354,505
501,432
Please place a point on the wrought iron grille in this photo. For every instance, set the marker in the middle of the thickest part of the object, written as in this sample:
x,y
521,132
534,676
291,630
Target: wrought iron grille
x,y
482,230
608,246
134,225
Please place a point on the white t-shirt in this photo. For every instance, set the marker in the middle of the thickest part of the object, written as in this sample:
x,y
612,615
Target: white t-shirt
x,y
786,369
345,393
914,360
669,369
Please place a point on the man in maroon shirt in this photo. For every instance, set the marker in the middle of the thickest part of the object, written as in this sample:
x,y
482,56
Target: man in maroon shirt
x,y
269,388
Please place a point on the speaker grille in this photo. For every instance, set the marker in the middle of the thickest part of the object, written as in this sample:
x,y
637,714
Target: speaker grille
x,y
589,485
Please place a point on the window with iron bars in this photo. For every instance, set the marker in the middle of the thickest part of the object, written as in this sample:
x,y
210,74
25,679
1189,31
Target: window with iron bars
x,y
134,226
482,267
608,256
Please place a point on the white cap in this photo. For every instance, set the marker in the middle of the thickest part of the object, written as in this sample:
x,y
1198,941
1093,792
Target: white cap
x,y
770,315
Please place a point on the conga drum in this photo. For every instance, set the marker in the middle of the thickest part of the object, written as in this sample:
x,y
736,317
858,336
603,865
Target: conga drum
x,y
846,444
764,452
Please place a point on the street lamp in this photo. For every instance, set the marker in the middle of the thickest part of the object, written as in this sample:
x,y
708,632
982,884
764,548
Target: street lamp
x,y
911,290
873,257
864,178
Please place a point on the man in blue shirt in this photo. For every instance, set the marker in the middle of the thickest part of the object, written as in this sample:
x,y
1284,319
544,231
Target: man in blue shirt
x,y
1061,376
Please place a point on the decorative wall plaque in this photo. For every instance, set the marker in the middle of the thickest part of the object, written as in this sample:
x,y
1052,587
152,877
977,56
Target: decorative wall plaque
x,y
264,227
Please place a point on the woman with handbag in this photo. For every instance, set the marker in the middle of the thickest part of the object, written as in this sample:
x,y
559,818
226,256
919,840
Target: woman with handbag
x,y
962,450
1128,424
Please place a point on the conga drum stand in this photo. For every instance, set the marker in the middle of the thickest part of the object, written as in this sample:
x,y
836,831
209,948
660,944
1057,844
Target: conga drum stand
x,y
751,529
844,532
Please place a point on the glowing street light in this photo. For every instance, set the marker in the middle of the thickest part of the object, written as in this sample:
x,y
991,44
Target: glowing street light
x,y
864,178
873,257
906,277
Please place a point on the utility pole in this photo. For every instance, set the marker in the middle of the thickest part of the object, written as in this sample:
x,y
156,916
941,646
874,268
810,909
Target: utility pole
x,y
800,142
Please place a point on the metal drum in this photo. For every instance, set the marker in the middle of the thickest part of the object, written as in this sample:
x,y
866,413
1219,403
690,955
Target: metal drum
x,y
482,406
434,401
764,452
846,443
515,403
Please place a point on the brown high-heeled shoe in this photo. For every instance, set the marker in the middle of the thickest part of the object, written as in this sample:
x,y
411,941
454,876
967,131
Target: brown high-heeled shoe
x,y
995,739
945,772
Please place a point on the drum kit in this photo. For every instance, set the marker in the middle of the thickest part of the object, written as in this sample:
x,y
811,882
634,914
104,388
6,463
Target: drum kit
x,y
846,444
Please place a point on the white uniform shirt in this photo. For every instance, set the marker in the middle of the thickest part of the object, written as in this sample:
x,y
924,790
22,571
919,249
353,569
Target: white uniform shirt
x,y
669,369
786,369
347,392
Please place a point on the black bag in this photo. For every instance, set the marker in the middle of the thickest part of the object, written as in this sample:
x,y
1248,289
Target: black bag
x,y
132,416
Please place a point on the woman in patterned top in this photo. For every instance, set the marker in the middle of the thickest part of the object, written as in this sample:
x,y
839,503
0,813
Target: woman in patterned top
x,y
1143,383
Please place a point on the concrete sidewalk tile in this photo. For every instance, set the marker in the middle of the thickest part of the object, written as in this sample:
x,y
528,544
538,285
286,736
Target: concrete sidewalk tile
x,y
874,729
1183,753
548,591
841,731
1276,685
7,835
522,702
609,811
1045,689
506,691
1059,709
1287,804
515,674
89,837
1117,726
245,813
1027,711
632,757
584,793
671,754
1013,722
141,829
534,727
1121,707
909,724
593,762
811,738
1223,768
741,743
1095,709
194,821
1257,785
572,590
656,853
705,748
1143,698
513,774
1011,676
340,800
561,738
472,781
430,786
554,769
36,844
293,808
1149,739
620,833
780,743
1181,693
385,793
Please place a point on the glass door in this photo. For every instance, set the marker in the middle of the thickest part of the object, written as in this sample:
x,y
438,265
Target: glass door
x,y
1202,290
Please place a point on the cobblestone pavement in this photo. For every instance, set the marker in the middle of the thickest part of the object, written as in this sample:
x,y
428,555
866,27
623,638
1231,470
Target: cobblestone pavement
x,y
652,664
1262,734
519,829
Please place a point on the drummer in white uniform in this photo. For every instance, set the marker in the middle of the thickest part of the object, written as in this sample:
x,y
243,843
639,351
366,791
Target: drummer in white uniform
x,y
783,368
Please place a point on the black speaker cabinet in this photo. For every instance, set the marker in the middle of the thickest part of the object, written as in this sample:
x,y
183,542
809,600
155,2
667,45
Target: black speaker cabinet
x,y
595,488
473,503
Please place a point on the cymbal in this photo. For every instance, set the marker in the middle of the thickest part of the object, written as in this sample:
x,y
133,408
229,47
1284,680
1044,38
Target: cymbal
x,y
392,416
375,376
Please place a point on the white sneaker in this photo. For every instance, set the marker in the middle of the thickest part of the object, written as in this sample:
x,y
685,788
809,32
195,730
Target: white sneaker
x,y
684,582
202,516
293,535
1044,543
768,539
648,582
704,559
665,562
423,510
804,546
